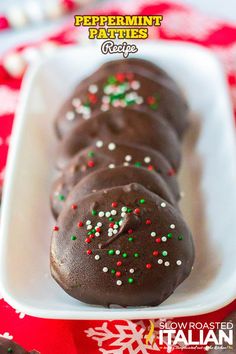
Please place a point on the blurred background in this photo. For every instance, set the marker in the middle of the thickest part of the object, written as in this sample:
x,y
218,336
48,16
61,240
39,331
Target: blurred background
x,y
31,19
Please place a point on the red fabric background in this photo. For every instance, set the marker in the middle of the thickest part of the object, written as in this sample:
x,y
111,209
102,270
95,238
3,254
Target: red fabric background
x,y
69,337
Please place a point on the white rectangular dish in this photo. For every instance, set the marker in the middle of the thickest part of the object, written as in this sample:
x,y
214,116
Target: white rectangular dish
x,y
26,222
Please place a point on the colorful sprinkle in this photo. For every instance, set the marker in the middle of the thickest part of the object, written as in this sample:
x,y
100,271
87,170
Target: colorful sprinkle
x,y
73,238
94,212
164,253
137,211
56,228
148,266
97,257
80,224
180,237
131,270
119,282
163,204
114,204
124,255
166,264
74,206
90,163
155,253
111,252
136,255
178,262
169,235
130,280
119,263
172,226
142,201
61,197
89,252
105,269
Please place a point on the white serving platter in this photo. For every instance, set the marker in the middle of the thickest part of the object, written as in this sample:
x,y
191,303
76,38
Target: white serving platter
x,y
26,222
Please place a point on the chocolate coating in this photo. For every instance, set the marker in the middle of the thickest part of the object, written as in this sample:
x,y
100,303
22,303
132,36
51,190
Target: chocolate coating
x,y
8,346
119,125
149,87
95,158
137,259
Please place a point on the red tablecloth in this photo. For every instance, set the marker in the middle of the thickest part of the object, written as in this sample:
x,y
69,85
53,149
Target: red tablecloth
x,y
108,337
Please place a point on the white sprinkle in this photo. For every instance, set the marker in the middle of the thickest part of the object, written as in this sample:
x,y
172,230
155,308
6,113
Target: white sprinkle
x,y
93,88
128,158
70,115
110,229
97,257
86,115
106,99
105,269
163,204
172,226
118,252
124,209
164,239
104,107
88,222
147,159
113,212
123,215
111,165
89,227
119,282
135,85
167,264
115,226
76,102
108,214
125,164
160,261
153,234
178,262
111,146
99,224
139,100
110,234
131,270
99,143
115,232
97,234
101,214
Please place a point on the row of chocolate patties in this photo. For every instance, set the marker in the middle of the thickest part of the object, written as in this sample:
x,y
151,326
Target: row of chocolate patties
x,y
120,237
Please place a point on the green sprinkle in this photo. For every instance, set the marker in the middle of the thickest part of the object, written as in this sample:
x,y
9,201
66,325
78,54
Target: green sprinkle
x,y
164,253
136,255
10,350
129,210
124,255
89,233
130,239
73,238
130,280
138,164
142,201
113,271
154,106
111,80
94,212
91,154
180,237
117,222
86,104
61,197
169,235
111,219
111,252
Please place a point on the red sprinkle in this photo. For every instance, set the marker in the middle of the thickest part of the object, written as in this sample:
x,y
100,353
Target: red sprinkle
x,y
148,222
111,224
74,206
118,274
80,224
87,240
56,228
120,77
150,100
91,163
91,236
137,211
155,253
150,168
158,240
119,263
89,252
148,266
114,204
92,98
130,231
171,172
98,229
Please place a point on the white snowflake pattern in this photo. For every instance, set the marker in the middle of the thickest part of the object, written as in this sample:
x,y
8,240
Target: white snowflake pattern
x,y
21,314
188,24
122,338
8,99
6,335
